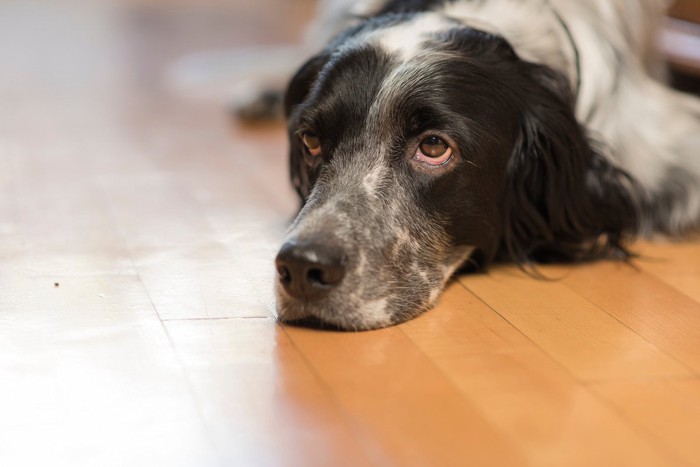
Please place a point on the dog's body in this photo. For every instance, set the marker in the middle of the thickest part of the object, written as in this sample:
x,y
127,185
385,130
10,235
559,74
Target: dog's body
x,y
432,133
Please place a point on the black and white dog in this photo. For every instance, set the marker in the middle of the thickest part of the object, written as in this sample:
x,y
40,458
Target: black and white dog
x,y
430,134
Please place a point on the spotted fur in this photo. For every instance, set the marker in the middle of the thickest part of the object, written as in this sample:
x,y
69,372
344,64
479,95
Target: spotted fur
x,y
541,99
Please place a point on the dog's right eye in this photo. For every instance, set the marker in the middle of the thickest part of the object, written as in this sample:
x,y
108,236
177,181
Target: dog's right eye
x,y
433,151
312,143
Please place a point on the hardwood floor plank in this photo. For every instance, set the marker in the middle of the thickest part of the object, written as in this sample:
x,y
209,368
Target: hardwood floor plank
x,y
188,271
677,264
664,256
684,283
651,308
523,392
89,378
400,407
64,222
584,338
669,409
261,403
461,325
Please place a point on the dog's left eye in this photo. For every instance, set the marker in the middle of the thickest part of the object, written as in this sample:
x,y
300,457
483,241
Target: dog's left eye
x,y
312,143
433,150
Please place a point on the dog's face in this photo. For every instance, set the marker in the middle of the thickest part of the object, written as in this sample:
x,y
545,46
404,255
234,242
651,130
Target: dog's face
x,y
406,140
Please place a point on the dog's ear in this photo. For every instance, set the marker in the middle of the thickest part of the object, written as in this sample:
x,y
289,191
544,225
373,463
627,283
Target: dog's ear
x,y
300,85
297,91
563,201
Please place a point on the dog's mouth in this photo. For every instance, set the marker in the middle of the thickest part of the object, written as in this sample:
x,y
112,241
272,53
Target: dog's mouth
x,y
330,308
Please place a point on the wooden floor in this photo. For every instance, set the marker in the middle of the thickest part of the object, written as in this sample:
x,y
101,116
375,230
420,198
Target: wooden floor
x,y
137,232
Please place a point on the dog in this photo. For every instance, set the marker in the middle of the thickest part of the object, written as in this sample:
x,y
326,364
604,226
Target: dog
x,y
431,135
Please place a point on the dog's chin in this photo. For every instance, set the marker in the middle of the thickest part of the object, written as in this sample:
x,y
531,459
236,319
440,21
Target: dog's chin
x,y
333,314
325,316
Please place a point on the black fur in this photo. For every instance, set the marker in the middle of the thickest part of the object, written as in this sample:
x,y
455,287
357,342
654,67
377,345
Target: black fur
x,y
409,6
297,92
541,193
562,201
527,183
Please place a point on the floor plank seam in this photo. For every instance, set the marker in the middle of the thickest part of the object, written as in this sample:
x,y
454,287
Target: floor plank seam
x,y
661,278
641,431
186,376
520,331
626,326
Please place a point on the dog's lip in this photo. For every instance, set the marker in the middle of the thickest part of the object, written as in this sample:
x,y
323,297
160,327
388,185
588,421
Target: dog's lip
x,y
313,322
294,314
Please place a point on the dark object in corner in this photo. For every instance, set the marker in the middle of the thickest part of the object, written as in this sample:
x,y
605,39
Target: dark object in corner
x,y
685,82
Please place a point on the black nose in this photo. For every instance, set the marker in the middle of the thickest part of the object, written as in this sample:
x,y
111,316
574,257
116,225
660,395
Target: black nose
x,y
309,270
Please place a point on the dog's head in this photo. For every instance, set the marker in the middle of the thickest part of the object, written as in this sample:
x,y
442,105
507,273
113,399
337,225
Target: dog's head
x,y
419,145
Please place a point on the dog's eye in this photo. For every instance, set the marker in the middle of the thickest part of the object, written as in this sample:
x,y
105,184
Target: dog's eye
x,y
312,143
434,151
432,146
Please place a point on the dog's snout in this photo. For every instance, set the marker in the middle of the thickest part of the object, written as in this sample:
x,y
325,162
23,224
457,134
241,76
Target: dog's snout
x,y
308,271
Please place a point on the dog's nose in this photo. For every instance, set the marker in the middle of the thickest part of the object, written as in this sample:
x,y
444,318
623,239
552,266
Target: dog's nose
x,y
309,270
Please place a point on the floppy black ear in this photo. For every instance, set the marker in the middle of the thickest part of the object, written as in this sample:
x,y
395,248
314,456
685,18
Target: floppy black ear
x,y
563,200
300,85
297,91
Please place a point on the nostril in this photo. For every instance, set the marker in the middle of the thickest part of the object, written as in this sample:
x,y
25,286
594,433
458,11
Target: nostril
x,y
315,277
327,276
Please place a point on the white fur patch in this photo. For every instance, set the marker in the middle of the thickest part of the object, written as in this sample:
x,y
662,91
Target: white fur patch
x,y
516,20
375,313
457,262
404,40
365,7
373,180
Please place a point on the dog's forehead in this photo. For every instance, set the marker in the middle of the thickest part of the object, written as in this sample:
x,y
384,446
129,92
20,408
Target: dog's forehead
x,y
383,48
369,76
404,40
341,97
